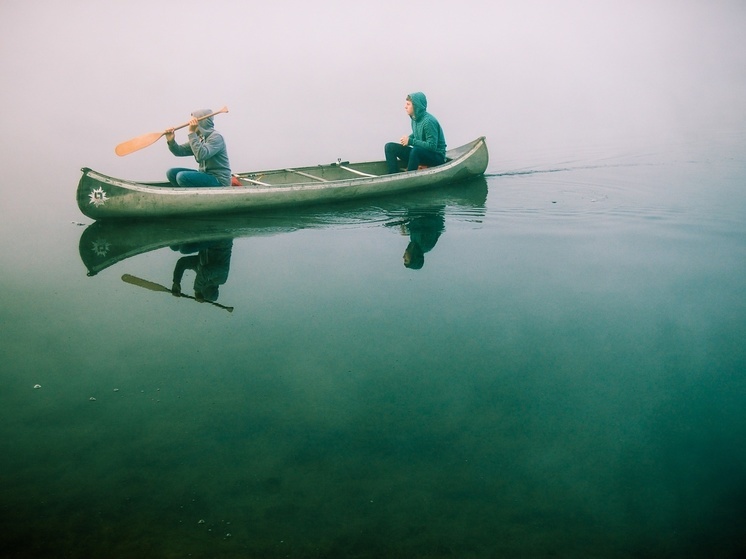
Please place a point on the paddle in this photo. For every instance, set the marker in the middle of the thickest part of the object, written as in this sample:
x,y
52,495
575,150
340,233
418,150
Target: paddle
x,y
125,148
158,287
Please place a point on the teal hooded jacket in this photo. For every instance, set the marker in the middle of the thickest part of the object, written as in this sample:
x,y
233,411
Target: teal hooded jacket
x,y
208,148
426,130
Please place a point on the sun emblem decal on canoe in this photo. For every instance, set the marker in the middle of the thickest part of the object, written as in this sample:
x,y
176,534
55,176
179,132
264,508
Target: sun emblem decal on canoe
x,y
97,196
100,247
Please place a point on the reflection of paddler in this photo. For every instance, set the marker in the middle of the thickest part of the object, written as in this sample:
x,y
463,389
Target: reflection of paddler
x,y
211,264
424,231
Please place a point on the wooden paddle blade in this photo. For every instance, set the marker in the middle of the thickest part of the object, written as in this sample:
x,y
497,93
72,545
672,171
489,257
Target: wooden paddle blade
x,y
125,148
145,283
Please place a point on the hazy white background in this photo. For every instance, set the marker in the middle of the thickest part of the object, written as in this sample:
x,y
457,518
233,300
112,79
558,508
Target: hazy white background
x,y
307,82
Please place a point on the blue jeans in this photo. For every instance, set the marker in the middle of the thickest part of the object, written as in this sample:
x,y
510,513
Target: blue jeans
x,y
179,176
412,156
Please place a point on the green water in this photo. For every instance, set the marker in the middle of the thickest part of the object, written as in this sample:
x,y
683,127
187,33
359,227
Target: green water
x,y
563,377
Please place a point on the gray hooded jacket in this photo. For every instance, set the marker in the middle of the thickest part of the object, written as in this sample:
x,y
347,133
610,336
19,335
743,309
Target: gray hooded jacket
x,y
208,148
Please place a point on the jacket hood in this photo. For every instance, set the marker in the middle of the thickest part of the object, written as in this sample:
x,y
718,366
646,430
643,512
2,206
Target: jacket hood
x,y
205,125
419,101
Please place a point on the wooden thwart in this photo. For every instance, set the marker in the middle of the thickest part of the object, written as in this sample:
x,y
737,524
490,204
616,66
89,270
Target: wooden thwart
x,y
356,171
307,175
252,181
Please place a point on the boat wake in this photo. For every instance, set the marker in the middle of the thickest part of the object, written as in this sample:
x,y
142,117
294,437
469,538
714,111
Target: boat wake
x,y
519,172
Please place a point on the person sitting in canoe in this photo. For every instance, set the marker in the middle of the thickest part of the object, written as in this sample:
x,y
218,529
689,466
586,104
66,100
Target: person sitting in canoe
x,y
425,146
208,148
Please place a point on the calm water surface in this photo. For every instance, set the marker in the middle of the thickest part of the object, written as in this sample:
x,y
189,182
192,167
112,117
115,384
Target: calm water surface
x,y
563,376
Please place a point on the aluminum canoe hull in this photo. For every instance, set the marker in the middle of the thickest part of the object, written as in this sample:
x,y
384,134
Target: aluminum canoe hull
x,y
103,197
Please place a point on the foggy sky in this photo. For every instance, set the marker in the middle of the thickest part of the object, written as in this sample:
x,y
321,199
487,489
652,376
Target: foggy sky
x,y
307,82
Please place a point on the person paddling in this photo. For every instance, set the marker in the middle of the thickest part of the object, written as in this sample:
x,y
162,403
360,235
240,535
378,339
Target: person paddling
x,y
208,148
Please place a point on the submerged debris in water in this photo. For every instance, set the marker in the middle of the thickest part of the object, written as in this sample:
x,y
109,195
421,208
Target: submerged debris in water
x,y
37,386
92,399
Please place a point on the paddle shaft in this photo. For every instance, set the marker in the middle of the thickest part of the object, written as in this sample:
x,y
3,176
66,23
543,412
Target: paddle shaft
x,y
223,110
134,280
125,148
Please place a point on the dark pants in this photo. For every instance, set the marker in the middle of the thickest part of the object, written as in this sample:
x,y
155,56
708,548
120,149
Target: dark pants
x,y
180,176
413,157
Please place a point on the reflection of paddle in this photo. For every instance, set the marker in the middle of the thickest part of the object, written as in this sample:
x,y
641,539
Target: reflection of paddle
x,y
158,287
125,148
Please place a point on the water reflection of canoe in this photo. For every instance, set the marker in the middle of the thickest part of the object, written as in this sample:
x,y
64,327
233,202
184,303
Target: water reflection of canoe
x,y
104,243
100,196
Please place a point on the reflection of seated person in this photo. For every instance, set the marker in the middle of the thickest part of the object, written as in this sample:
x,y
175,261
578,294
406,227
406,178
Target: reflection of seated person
x,y
424,231
211,263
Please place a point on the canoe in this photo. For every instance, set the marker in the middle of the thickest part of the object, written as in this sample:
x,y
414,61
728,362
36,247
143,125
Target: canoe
x,y
103,197
107,242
